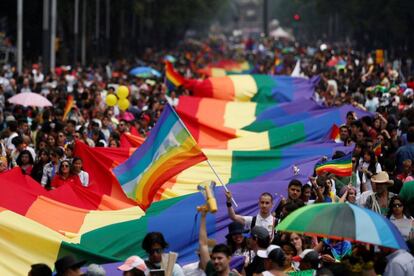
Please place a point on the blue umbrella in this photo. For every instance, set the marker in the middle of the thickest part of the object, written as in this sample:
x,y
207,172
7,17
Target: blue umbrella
x,y
145,72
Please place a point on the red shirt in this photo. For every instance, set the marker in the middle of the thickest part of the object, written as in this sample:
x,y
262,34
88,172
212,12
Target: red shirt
x,y
58,181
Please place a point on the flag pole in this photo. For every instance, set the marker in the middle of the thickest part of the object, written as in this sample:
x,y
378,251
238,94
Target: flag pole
x,y
221,182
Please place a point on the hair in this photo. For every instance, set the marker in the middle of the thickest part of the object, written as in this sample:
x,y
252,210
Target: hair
x,y
153,238
16,141
40,270
287,243
267,194
134,272
295,182
366,120
373,162
19,158
356,123
222,248
60,167
392,200
12,126
277,256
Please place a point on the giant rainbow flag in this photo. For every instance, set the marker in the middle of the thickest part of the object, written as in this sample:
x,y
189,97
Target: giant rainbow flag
x,y
252,137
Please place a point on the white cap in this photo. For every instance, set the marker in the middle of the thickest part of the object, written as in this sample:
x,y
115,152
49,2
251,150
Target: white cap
x,y
265,253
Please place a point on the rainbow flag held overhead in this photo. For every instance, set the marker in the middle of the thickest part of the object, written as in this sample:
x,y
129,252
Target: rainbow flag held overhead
x,y
172,78
340,167
70,102
377,150
168,150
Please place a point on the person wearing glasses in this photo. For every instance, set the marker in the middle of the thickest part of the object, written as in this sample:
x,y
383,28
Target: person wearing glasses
x,y
154,244
398,215
65,176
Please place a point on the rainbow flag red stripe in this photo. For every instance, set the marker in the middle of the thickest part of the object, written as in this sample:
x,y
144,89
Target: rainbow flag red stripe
x,y
340,167
168,150
172,78
377,149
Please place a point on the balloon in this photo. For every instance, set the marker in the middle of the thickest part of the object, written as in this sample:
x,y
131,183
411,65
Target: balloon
x,y
122,92
111,100
123,104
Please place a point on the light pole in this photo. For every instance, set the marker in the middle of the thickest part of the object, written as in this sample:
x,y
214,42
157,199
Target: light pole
x,y
19,36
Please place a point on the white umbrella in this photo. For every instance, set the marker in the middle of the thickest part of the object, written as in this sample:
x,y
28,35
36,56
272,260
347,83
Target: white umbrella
x,y
30,99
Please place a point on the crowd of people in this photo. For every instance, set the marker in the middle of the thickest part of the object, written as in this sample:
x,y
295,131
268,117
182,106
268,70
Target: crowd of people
x,y
40,142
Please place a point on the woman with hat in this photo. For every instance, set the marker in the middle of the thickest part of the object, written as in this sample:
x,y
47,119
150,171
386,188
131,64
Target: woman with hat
x,y
238,243
380,199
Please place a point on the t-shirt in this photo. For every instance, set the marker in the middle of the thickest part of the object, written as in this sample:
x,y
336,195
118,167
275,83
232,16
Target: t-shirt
x,y
268,223
211,270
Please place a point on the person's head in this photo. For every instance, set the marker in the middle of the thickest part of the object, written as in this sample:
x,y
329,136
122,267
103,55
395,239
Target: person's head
x,y
61,138
290,251
123,126
24,158
291,206
381,182
396,207
220,257
352,193
294,189
18,142
40,270
77,165
274,257
51,141
134,266
407,166
297,241
95,270
344,133
70,126
265,203
154,244
235,235
43,156
114,143
355,127
64,168
350,117
68,266
321,182
309,259
306,193
369,156
259,238
366,123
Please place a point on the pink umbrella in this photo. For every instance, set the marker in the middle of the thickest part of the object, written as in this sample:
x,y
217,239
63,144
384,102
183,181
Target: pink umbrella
x,y
30,99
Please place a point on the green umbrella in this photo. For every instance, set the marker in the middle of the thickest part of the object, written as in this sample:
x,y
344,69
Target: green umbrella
x,y
343,221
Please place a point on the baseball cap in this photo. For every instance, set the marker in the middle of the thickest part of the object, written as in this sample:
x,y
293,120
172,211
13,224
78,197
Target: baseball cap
x,y
265,253
259,232
133,262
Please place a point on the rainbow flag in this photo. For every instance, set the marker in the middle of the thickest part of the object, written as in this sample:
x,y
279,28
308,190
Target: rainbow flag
x,y
168,150
70,102
172,78
377,150
340,167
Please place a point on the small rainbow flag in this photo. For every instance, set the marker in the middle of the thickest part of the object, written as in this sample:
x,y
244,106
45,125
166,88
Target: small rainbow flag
x,y
70,102
172,78
340,167
168,150
377,150
335,134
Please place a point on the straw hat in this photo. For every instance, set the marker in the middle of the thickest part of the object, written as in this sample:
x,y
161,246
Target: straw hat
x,y
382,177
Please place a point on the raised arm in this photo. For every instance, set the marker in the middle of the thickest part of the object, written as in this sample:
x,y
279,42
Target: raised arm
x,y
202,240
232,214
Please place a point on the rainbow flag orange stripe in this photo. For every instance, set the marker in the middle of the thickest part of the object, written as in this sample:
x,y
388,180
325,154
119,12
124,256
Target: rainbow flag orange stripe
x,y
173,79
168,150
70,102
340,167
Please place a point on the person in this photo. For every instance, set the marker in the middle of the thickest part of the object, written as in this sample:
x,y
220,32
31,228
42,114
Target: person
x,y
405,152
134,266
398,215
65,176
274,261
3,164
236,241
306,194
308,260
380,199
219,262
264,218
399,262
290,251
366,169
154,244
77,170
51,168
25,162
297,241
42,160
349,194
259,240
40,270
68,266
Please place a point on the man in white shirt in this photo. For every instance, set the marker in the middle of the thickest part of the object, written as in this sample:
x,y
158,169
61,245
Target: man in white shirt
x,y
264,218
400,263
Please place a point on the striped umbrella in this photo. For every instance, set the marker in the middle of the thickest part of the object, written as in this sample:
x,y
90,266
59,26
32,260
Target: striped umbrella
x,y
343,221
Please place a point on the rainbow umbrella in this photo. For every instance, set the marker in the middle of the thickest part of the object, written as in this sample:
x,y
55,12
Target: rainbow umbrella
x,y
343,221
145,72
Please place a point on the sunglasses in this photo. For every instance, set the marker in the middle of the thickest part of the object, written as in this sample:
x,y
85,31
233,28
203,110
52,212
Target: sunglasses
x,y
65,166
397,205
156,250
